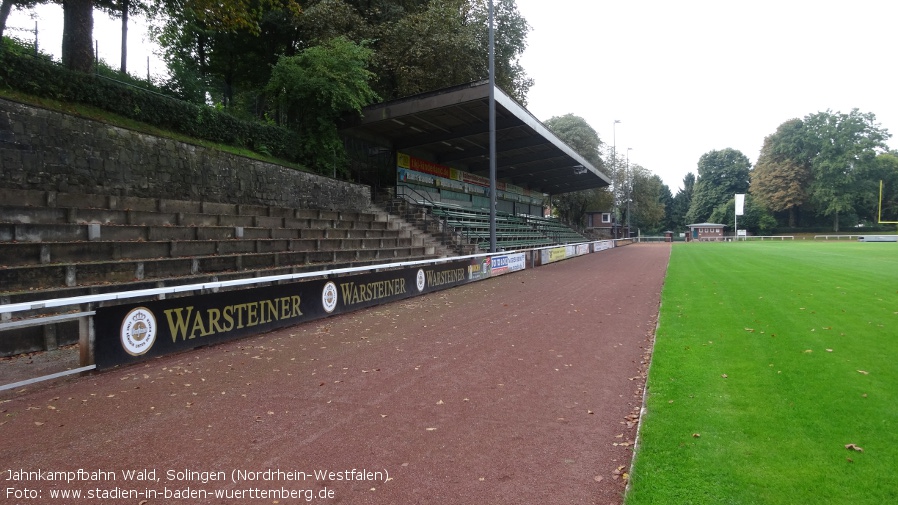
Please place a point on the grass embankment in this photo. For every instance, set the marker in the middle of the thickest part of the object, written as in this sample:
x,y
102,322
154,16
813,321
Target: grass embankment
x,y
103,116
770,359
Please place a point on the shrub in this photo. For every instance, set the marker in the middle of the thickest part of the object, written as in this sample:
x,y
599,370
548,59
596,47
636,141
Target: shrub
x,y
44,78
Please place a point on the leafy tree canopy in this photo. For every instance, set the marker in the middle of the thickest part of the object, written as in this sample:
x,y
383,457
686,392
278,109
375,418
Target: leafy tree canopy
x,y
721,174
582,138
316,87
681,202
756,219
781,176
843,149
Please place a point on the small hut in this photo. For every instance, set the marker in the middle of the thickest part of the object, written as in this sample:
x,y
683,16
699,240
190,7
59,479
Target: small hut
x,y
705,231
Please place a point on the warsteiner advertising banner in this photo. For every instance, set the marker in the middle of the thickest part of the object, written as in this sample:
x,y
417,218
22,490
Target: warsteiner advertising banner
x,y
130,334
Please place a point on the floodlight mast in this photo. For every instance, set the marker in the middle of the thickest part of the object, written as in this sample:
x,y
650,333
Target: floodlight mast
x,y
492,107
614,176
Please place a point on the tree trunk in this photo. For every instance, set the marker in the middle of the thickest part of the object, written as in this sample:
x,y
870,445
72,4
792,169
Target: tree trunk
x,y
5,9
793,214
126,5
836,222
77,35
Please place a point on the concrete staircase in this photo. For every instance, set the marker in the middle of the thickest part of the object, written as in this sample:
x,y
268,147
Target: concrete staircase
x,y
422,224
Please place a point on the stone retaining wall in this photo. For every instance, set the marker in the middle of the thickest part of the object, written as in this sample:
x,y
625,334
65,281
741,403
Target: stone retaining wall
x,y
49,151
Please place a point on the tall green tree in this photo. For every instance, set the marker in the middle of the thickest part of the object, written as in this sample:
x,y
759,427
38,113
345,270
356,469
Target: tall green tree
x,y
428,49
510,33
212,49
667,199
443,43
844,148
782,174
887,171
574,131
327,19
647,205
721,174
681,202
756,217
582,138
318,86
123,10
77,35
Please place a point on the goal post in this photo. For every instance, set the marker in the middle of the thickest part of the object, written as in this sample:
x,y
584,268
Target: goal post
x,y
891,206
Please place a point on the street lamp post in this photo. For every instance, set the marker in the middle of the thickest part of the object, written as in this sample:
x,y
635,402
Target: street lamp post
x,y
629,190
614,171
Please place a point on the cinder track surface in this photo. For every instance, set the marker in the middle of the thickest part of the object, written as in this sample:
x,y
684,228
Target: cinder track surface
x,y
520,389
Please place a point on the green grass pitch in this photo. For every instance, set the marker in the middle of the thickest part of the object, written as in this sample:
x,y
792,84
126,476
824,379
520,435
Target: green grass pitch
x,y
771,358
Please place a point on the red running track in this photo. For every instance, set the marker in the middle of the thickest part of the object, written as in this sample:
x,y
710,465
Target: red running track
x,y
520,389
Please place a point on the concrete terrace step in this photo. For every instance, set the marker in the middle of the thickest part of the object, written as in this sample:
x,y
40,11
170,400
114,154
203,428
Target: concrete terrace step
x,y
91,203
18,215
37,253
48,276
40,232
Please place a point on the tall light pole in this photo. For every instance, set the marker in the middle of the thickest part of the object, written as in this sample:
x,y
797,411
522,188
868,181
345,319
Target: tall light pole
x,y
492,120
629,190
613,167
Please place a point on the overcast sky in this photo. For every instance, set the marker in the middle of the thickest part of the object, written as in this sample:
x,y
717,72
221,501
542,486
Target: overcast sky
x,y
684,77
107,32
691,76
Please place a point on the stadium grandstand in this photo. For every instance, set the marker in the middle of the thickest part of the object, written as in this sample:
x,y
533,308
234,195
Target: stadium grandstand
x,y
423,158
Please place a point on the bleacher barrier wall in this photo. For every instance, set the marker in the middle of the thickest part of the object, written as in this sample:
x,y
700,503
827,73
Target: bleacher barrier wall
x,y
135,331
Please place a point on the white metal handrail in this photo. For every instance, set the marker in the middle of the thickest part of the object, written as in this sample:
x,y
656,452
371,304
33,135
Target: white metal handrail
x,y
124,295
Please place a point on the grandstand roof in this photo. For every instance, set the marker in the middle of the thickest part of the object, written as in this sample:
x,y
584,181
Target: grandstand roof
x,y
451,127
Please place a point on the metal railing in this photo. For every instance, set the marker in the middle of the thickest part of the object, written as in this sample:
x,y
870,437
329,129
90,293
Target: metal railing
x,y
766,237
84,304
836,237
417,208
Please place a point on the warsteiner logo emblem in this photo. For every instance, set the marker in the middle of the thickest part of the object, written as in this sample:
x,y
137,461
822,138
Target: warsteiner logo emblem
x,y
138,331
329,297
420,280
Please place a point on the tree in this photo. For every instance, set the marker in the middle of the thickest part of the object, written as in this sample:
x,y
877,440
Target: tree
x,y
315,88
647,205
123,9
721,174
443,44
681,202
510,32
212,54
574,131
328,19
582,138
6,7
782,173
887,170
844,147
756,219
77,35
666,198
427,50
